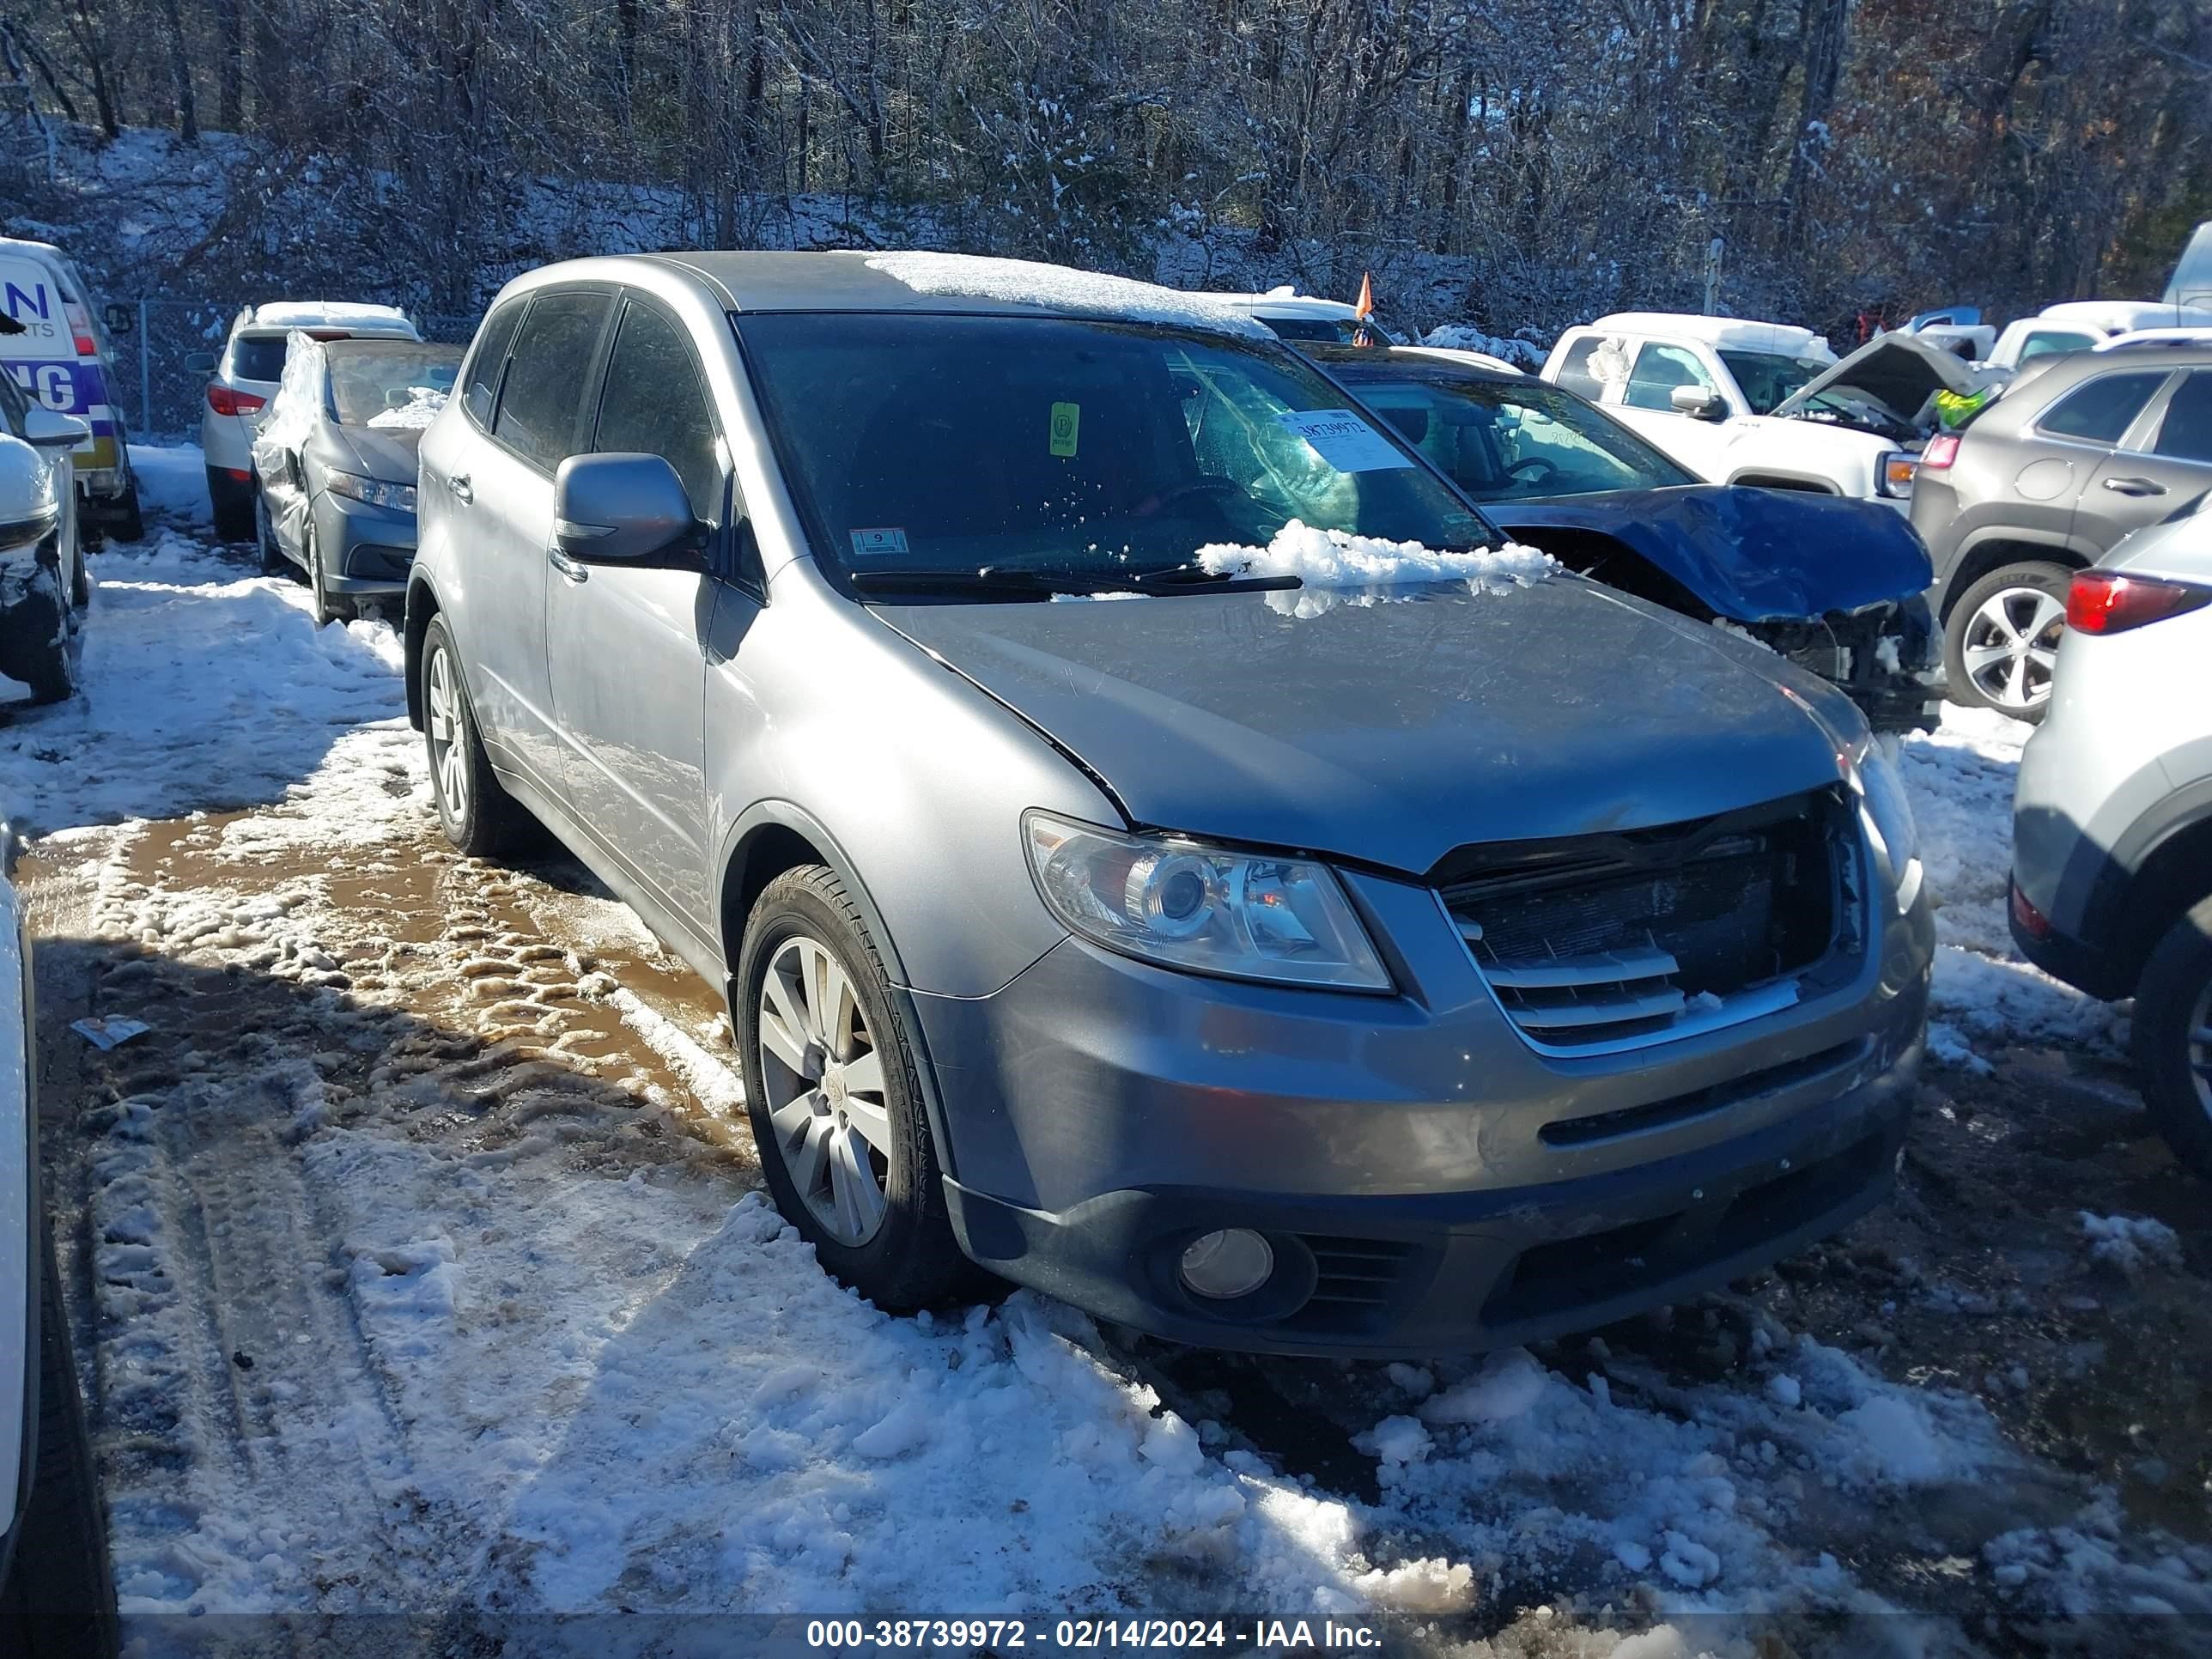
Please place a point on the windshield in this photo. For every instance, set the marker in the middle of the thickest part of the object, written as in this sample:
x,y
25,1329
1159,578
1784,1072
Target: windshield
x,y
1768,377
366,380
1508,440
952,443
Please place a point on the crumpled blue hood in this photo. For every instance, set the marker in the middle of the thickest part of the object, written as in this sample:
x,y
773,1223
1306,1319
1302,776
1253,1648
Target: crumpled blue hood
x,y
1752,555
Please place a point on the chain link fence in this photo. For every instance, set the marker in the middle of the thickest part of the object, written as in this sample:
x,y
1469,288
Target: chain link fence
x,y
158,394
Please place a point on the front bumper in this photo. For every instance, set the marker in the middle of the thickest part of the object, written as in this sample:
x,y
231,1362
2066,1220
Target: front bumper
x,y
1430,1182
367,550
1884,657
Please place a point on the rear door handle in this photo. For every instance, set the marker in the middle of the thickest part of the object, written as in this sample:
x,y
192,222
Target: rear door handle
x,y
567,566
459,486
2135,486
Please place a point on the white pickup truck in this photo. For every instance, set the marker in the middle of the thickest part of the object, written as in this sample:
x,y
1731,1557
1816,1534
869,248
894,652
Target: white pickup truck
x,y
1766,403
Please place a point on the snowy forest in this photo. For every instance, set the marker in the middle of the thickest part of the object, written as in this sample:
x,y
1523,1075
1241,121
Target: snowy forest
x,y
1532,160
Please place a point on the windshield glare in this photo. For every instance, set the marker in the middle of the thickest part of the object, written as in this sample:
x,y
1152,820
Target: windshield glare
x,y
1767,377
1503,440
949,443
366,380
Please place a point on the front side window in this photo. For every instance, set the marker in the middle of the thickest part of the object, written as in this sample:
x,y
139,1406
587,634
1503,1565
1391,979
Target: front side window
x,y
952,444
1503,439
1768,378
489,358
2185,432
1659,369
2101,411
653,404
546,372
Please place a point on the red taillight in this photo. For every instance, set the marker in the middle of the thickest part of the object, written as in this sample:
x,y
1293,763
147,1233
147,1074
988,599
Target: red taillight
x,y
225,400
2111,602
1941,451
2033,922
80,330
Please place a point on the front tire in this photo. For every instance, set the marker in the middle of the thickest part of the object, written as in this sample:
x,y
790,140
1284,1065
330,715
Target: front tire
x,y
2174,1037
477,813
2001,644
834,1098
59,1599
327,608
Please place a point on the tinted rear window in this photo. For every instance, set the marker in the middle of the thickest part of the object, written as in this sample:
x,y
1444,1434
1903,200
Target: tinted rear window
x,y
1575,369
2101,411
2185,433
257,357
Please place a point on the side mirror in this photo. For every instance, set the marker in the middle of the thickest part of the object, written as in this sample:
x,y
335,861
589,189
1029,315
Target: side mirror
x,y
621,509
1698,403
199,362
120,319
48,428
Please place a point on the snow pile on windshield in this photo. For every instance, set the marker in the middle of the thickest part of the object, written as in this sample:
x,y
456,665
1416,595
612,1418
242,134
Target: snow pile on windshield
x,y
299,397
1024,281
421,407
1336,567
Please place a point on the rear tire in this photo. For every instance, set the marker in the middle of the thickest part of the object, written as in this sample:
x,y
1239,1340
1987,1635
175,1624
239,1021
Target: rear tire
x,y
50,666
821,1138
231,504
59,1600
127,516
2174,1038
1999,645
477,813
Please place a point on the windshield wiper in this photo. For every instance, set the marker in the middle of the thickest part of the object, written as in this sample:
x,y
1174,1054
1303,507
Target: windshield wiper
x,y
1197,575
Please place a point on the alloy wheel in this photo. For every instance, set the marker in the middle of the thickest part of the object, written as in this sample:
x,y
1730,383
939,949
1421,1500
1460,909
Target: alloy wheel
x,y
825,1079
2011,646
2200,1048
448,736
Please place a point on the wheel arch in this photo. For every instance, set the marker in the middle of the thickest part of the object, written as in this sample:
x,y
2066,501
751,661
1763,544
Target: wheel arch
x,y
2172,873
1993,552
422,605
1769,477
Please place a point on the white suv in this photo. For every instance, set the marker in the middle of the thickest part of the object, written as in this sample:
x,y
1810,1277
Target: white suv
x,y
245,377
1749,402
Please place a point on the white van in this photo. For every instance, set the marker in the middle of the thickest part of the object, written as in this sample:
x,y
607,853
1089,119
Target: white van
x,y
60,357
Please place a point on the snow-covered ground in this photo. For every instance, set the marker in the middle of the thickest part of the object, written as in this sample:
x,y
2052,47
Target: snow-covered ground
x,y
431,1271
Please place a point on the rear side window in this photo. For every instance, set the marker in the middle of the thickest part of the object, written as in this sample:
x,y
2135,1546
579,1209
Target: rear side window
x,y
1659,369
2052,345
2185,432
1575,369
257,357
2103,410
546,373
482,383
653,404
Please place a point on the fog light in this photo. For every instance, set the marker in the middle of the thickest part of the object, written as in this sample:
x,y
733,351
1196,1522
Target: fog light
x,y
1231,1263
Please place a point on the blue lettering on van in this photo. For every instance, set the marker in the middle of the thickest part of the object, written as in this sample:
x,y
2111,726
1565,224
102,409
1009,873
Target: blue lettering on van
x,y
68,388
35,301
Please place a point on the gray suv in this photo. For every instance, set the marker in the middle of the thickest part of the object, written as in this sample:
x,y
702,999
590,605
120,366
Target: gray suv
x,y
2079,451
1245,965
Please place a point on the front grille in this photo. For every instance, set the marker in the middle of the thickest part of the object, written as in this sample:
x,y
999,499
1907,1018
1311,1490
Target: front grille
x,y
1595,939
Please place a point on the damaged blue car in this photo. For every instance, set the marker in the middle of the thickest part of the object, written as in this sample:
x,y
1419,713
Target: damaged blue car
x,y
1835,586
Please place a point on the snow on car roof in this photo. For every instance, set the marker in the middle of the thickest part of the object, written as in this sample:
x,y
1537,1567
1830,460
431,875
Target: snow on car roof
x,y
1059,287
1722,333
287,314
1286,302
2117,316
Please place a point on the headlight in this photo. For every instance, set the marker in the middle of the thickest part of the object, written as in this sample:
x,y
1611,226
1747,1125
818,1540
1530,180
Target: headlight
x,y
397,496
1888,812
1893,473
1183,904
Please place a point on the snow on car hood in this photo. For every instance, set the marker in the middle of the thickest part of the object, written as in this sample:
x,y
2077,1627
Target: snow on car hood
x,y
1895,369
1393,733
1751,554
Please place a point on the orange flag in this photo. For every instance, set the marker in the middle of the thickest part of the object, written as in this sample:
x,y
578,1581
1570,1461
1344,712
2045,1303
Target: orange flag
x,y
1365,308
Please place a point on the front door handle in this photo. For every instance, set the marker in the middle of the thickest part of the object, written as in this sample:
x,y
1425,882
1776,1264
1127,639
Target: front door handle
x,y
460,485
2135,486
567,566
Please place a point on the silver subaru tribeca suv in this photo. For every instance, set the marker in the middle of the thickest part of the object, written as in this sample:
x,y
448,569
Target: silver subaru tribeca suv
x,y
1263,963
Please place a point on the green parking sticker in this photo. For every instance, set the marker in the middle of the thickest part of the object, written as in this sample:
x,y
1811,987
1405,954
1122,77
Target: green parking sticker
x,y
1066,422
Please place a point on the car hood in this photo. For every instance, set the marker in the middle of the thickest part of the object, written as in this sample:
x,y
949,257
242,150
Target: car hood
x,y
374,452
1895,369
1751,554
1393,731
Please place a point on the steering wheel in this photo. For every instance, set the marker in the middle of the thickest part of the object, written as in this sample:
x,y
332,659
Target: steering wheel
x,y
1549,469
1209,485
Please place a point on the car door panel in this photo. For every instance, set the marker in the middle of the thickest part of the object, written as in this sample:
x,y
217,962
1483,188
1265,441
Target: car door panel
x,y
627,645
2162,466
